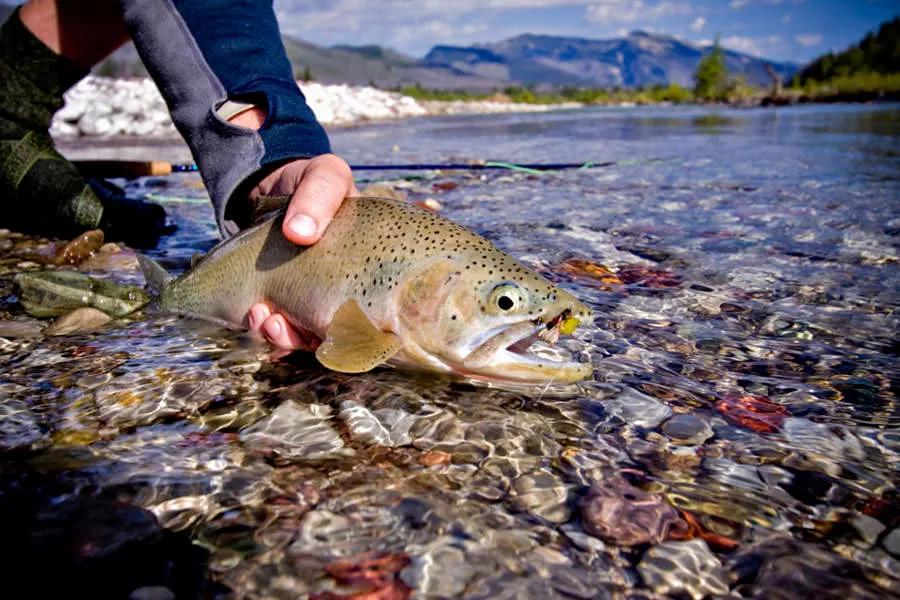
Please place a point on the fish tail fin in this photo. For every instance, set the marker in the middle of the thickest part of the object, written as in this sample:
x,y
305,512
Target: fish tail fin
x,y
155,275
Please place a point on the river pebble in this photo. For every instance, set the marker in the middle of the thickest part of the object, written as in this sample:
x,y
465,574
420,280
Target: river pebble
x,y
638,409
384,427
687,429
618,512
687,568
297,431
79,320
891,542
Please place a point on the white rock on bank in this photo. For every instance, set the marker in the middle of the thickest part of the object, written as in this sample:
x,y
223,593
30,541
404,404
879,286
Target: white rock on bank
x,y
100,106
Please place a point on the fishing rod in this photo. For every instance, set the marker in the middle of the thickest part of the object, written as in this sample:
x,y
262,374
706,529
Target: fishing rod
x,y
159,168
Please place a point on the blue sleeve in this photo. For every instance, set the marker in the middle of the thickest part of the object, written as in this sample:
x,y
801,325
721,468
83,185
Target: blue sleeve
x,y
201,53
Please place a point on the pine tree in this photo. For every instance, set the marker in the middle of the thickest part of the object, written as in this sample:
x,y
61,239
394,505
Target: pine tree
x,y
711,76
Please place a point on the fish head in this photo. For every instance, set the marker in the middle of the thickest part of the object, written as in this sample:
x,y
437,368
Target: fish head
x,y
483,322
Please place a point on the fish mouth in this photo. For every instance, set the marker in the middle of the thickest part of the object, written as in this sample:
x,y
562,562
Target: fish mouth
x,y
526,351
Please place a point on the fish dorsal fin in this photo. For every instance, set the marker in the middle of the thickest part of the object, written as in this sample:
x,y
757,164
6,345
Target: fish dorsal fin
x,y
157,278
353,344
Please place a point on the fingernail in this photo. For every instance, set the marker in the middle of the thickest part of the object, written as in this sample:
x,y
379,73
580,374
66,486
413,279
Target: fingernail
x,y
303,225
273,329
256,317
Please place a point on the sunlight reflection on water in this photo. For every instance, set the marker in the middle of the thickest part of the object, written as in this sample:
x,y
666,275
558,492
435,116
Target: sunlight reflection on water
x,y
739,434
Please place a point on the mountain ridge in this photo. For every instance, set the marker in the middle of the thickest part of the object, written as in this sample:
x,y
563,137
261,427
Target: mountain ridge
x,y
637,60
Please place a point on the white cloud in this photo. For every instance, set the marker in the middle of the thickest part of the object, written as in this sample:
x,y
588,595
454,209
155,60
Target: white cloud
x,y
741,43
604,12
736,4
409,25
808,39
698,24
754,46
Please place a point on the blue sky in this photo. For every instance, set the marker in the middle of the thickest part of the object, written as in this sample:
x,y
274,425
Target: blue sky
x,y
796,30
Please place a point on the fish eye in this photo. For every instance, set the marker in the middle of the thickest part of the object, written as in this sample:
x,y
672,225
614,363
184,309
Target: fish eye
x,y
507,298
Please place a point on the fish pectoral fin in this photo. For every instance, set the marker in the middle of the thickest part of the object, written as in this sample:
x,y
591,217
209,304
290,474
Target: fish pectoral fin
x,y
353,344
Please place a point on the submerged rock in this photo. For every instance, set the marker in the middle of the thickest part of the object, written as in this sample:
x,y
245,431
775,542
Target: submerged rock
x,y
19,329
439,569
891,542
687,429
542,494
638,409
384,427
782,568
616,511
683,568
78,321
297,431
55,293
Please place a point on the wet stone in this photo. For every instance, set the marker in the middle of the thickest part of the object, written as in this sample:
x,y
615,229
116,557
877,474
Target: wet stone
x,y
54,293
891,542
296,431
619,513
687,568
440,569
784,569
20,329
832,443
80,248
687,429
868,528
542,494
79,320
152,593
20,428
638,409
384,427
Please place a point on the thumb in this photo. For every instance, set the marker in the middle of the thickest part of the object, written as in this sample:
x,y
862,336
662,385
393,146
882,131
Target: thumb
x,y
325,182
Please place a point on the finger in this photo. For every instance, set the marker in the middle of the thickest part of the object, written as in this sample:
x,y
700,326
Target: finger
x,y
280,333
325,183
257,315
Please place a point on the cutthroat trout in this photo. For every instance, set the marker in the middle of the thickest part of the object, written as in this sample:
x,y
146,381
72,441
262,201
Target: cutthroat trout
x,y
388,282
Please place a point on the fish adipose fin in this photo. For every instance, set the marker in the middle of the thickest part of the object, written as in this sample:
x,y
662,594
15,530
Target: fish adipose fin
x,y
353,344
156,277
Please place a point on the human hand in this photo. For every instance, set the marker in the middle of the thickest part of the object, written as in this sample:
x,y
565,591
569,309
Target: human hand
x,y
317,187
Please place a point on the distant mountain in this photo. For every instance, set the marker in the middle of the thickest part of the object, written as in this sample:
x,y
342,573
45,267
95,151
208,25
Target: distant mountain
x,y
361,65
876,53
640,59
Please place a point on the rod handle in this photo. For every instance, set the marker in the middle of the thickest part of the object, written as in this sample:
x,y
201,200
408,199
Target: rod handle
x,y
123,168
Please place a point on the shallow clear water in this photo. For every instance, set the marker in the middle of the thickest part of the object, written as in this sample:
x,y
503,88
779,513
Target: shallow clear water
x,y
740,435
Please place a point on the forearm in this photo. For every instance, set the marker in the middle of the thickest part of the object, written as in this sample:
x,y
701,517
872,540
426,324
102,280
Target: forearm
x,y
202,53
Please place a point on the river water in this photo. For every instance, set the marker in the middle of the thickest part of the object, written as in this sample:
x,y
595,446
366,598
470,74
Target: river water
x,y
739,437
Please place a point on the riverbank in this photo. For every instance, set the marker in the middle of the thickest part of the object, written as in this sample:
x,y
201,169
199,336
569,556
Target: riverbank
x,y
104,107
